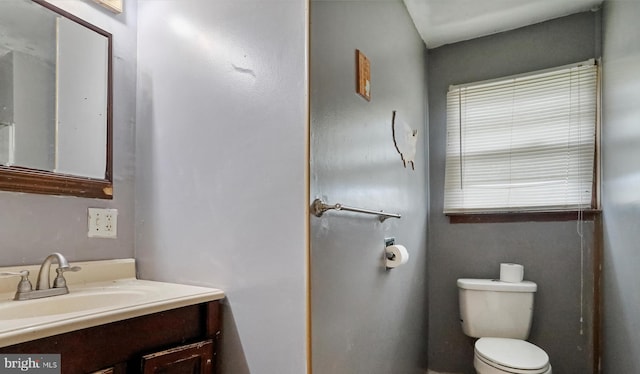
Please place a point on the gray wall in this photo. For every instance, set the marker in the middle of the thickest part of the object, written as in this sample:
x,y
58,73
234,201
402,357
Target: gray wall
x,y
366,319
221,191
550,251
621,186
6,86
27,99
34,111
6,106
32,226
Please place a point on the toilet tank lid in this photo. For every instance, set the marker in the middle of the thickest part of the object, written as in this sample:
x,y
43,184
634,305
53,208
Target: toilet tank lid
x,y
496,285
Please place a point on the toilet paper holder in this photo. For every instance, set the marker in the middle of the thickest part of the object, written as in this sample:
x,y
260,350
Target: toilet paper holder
x,y
387,243
395,255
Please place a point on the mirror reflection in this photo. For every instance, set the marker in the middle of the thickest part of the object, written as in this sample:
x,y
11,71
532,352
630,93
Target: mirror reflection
x,y
54,94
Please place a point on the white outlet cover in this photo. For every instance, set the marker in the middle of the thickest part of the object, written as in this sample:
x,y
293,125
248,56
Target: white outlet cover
x,y
102,223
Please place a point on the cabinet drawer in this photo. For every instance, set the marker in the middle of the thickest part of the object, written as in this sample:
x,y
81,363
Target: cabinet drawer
x,y
196,358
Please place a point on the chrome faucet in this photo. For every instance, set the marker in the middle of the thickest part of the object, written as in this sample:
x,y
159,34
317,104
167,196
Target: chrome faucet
x,y
43,286
43,282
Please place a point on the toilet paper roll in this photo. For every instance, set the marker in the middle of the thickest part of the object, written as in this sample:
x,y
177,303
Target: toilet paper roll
x,y
512,273
396,255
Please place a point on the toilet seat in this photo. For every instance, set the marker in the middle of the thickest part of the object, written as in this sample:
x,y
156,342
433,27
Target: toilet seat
x,y
512,355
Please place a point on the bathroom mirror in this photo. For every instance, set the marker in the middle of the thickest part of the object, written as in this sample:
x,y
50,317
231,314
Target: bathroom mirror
x,y
55,102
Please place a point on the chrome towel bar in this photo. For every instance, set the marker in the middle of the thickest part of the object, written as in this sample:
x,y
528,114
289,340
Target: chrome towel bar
x,y
318,207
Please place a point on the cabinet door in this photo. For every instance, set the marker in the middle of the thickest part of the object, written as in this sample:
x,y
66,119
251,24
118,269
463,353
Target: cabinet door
x,y
194,358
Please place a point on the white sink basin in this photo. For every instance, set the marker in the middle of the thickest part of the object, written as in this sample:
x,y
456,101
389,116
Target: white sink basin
x,y
70,303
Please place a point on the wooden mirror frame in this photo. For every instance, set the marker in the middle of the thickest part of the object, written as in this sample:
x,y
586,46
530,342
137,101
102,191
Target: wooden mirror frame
x,y
21,179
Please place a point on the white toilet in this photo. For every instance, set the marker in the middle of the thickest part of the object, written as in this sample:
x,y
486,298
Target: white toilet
x,y
500,314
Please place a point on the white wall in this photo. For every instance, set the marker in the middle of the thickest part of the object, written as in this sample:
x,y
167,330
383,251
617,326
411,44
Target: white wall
x,y
221,167
82,96
621,186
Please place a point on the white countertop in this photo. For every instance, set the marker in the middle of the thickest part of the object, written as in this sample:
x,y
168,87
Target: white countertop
x,y
102,292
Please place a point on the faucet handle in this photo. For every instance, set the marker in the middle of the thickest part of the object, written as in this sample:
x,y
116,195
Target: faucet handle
x,y
25,284
21,273
60,282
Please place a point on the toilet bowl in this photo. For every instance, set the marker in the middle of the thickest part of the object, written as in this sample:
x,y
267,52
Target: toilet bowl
x,y
499,314
512,356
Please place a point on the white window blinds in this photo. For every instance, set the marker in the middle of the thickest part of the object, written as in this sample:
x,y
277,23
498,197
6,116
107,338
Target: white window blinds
x,y
523,143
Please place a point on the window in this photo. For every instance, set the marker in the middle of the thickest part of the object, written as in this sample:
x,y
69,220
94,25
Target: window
x,y
524,143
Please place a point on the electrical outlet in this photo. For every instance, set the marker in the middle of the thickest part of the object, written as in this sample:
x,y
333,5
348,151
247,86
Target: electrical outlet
x,y
103,223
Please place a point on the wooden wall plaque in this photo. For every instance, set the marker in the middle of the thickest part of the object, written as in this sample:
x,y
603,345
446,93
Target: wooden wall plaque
x,y
363,75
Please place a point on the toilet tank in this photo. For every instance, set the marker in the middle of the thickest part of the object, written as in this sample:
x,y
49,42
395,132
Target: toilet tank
x,y
493,308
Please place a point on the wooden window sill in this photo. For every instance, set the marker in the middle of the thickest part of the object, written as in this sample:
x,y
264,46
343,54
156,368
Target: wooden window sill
x,y
587,215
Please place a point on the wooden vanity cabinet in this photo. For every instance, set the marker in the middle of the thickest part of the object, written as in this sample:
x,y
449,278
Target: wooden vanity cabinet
x,y
191,358
177,341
